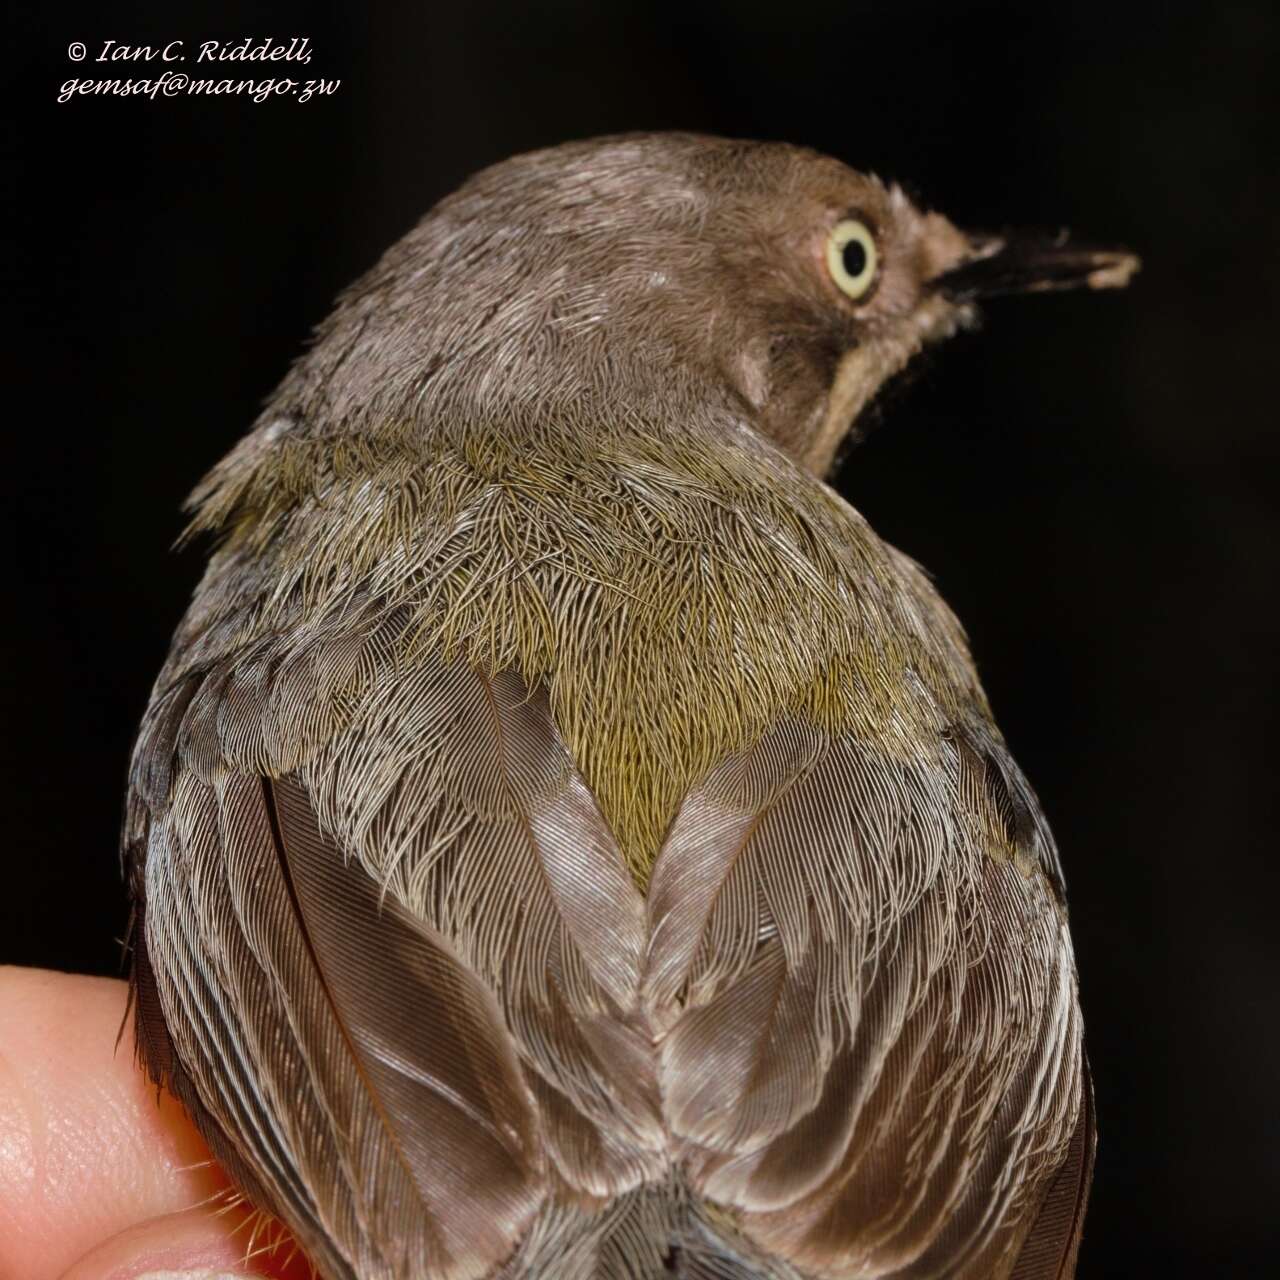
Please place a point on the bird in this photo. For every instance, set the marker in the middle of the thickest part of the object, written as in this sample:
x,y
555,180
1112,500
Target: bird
x,y
564,839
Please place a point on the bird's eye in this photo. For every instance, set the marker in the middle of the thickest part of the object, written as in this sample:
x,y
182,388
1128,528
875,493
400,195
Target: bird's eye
x,y
852,258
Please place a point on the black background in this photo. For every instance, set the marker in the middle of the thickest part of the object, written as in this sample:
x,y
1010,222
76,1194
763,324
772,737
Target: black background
x,y
1088,478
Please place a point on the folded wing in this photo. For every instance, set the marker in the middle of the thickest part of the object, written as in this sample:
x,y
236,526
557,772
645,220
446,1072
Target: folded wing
x,y
388,952
872,1048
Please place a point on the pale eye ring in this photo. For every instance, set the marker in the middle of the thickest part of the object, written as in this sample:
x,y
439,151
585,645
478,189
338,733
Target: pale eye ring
x,y
852,257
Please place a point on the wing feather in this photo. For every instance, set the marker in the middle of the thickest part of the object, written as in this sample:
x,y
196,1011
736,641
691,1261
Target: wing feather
x,y
871,1048
398,946
346,1048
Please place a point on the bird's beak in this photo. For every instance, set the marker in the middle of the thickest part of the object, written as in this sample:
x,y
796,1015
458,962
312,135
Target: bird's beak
x,y
1021,262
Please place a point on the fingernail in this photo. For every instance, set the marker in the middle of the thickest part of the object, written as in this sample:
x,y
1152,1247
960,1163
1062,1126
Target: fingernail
x,y
195,1275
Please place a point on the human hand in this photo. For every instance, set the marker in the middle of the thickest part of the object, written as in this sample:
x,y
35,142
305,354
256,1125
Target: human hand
x,y
100,1179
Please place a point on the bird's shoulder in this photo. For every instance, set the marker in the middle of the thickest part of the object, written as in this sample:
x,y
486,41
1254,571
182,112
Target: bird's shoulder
x,y
674,595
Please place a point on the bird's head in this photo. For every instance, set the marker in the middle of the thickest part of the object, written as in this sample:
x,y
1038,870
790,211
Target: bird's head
x,y
646,271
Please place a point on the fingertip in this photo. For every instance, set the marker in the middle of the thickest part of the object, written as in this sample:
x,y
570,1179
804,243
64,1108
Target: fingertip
x,y
87,1145
194,1245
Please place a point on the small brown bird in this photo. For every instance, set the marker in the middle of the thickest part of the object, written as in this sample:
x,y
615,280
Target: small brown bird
x,y
565,841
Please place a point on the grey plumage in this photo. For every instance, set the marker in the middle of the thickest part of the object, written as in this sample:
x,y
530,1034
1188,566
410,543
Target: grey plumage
x,y
565,840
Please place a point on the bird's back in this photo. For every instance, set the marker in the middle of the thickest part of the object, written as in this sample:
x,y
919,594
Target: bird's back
x,y
616,839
